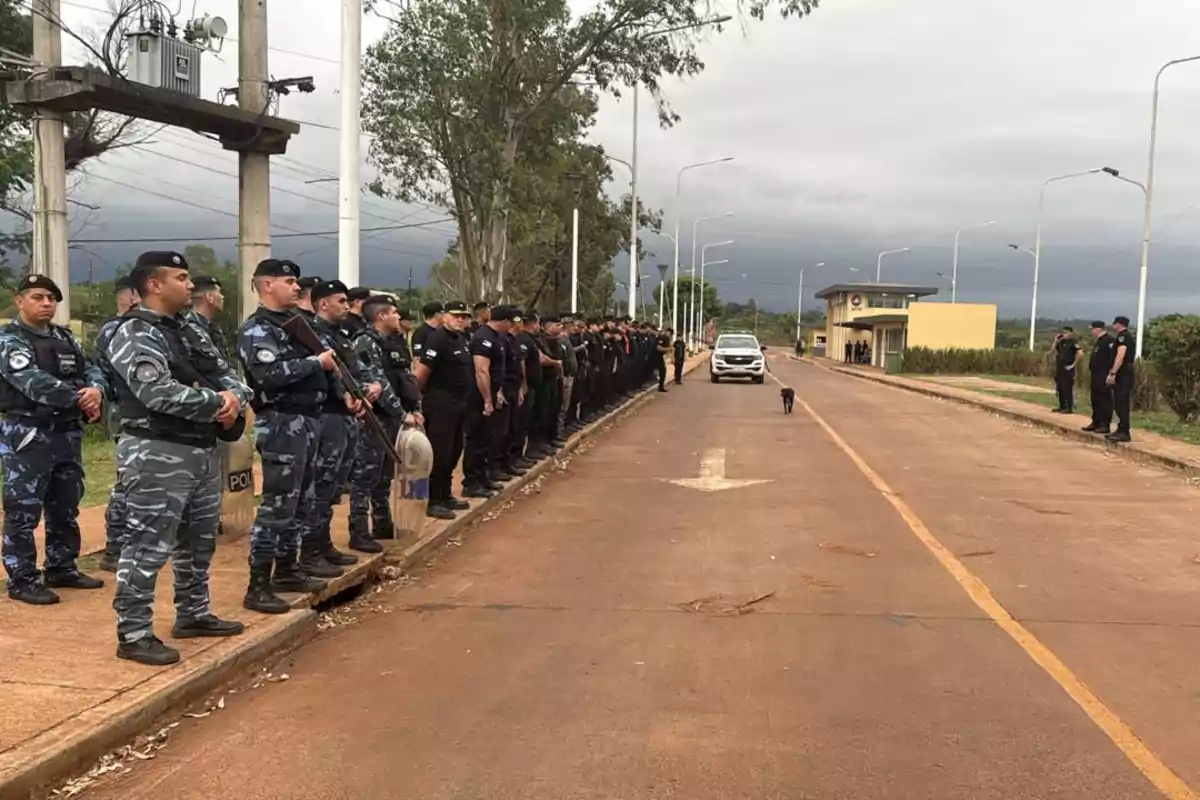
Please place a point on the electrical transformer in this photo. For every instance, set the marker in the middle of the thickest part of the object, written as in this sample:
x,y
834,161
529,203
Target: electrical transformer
x,y
164,62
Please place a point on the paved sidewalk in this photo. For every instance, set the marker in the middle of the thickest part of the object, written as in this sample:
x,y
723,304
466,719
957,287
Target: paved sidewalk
x,y
1147,446
68,699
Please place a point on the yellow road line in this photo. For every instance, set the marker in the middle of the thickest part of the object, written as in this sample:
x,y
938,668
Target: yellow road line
x,y
1150,765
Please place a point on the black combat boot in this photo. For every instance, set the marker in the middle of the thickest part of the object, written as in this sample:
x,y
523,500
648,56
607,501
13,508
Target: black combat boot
x,y
383,528
338,558
290,577
108,562
259,596
360,537
149,651
72,579
313,563
208,627
35,594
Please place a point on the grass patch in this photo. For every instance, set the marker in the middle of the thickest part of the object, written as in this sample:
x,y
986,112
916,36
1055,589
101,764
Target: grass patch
x,y
99,469
1164,423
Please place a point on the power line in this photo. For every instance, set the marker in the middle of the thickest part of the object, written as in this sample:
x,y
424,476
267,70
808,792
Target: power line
x,y
295,235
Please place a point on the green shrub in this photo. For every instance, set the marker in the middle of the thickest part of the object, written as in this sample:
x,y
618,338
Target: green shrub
x,y
1172,348
1005,361
1147,394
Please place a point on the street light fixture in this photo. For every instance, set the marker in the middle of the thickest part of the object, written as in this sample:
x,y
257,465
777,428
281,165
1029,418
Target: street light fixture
x,y
575,180
695,235
678,213
954,274
1037,245
879,261
698,316
800,299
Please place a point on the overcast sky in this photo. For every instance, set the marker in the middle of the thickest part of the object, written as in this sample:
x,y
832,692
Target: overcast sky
x,y
872,125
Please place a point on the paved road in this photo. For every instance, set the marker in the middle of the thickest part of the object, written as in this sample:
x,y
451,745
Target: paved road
x,y
587,645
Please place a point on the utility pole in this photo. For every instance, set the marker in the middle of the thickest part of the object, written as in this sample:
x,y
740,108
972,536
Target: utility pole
x,y
634,266
348,188
50,256
254,169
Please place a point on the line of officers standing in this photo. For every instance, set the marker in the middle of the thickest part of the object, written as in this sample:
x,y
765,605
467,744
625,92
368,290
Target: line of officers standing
x,y
1111,371
505,386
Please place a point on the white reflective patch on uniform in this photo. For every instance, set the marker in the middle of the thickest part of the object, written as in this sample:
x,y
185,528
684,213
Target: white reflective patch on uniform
x,y
146,372
486,343
18,360
432,353
456,352
265,356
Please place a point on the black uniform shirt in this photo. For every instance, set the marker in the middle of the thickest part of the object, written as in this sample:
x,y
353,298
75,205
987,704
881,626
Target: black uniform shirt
x,y
419,337
1066,349
452,371
512,364
680,348
1104,351
1124,338
493,346
528,350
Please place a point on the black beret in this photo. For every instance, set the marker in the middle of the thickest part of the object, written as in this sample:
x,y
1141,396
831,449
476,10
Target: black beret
x,y
375,299
1121,321
549,319
274,268
358,293
123,283
530,314
436,307
327,289
40,282
1098,324
405,315
308,282
479,305
453,307
202,282
161,258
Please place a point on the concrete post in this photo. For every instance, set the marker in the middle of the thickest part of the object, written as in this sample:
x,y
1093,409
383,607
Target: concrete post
x,y
254,169
50,256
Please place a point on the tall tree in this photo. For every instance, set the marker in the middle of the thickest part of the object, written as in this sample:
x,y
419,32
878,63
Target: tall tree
x,y
455,86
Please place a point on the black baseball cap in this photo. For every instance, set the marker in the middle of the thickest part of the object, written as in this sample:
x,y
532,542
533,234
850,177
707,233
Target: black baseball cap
x,y
40,282
308,282
1098,324
328,289
456,307
1121,321
504,313
358,293
274,268
435,307
123,283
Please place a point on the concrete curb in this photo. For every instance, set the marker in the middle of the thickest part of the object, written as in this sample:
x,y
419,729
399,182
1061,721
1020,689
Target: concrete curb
x,y
39,764
1134,451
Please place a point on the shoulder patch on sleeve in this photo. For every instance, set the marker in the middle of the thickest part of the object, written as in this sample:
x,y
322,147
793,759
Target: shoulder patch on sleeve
x,y
265,356
431,353
486,342
147,372
19,360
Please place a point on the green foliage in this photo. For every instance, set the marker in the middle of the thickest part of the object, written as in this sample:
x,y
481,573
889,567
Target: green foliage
x,y
16,147
1007,361
1172,347
466,97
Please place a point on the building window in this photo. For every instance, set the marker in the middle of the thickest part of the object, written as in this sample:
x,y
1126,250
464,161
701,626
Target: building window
x,y
887,302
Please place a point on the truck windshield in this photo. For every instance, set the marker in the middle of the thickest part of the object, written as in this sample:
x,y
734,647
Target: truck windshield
x,y
737,343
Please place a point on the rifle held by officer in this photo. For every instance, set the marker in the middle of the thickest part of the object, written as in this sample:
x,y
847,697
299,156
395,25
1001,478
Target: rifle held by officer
x,y
298,328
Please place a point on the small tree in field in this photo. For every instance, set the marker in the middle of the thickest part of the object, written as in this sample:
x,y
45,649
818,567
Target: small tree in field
x,y
1173,348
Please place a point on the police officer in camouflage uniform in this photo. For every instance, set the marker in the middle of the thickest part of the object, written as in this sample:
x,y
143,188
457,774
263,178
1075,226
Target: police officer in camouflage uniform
x,y
340,436
383,350
208,300
176,396
47,389
126,298
290,386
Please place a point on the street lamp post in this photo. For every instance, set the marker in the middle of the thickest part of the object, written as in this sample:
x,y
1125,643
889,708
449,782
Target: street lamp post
x,y
954,273
1149,189
1033,310
678,213
575,180
800,299
699,329
879,261
692,288
1037,244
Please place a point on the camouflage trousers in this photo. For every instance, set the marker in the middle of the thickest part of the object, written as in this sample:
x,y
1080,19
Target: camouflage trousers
x,y
114,517
336,448
371,482
173,501
42,472
287,448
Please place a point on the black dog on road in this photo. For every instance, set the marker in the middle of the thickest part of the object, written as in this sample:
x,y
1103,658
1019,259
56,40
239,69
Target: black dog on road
x,y
789,399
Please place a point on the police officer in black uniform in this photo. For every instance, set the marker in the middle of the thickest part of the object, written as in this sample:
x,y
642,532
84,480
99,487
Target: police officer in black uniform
x,y
662,346
445,374
485,407
481,312
432,313
679,354
1067,355
1120,377
1099,364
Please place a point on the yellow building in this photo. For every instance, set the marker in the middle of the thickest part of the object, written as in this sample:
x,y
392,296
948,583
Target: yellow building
x,y
890,317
